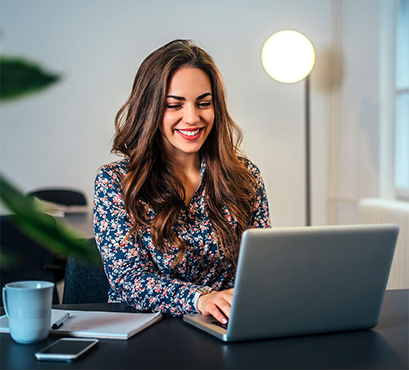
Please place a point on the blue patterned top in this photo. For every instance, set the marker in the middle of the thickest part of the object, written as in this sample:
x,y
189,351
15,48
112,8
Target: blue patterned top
x,y
141,276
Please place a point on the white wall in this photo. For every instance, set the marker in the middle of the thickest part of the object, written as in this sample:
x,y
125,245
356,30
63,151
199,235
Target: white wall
x,y
355,128
62,136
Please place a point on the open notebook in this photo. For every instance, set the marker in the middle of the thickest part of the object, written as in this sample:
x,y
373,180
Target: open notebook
x,y
95,324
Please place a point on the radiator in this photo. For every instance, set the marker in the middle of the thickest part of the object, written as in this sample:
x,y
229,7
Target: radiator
x,y
377,211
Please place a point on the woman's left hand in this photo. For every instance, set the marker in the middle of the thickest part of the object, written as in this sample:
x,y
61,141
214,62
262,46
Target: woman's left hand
x,y
217,304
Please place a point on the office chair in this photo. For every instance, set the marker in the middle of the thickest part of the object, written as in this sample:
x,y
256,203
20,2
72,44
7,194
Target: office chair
x,y
85,282
29,260
62,200
65,197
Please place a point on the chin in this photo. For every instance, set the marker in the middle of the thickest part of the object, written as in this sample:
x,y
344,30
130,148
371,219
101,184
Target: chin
x,y
190,149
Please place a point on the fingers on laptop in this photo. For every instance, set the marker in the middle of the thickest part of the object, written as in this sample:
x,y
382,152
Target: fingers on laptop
x,y
217,304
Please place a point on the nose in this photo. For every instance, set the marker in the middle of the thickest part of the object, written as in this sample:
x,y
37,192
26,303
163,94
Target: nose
x,y
191,114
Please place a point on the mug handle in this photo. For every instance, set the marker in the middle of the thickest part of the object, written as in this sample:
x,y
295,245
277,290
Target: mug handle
x,y
5,300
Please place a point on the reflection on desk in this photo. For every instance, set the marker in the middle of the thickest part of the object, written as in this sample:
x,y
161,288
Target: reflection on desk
x,y
171,343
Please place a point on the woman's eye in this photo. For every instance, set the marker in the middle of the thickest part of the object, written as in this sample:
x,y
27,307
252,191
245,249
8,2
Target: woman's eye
x,y
173,106
205,104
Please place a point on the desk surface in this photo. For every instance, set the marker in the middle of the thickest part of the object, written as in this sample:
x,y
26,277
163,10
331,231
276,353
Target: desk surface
x,y
82,222
171,343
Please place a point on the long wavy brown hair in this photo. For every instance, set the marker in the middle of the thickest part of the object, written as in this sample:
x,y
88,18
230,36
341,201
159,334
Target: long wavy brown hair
x,y
151,177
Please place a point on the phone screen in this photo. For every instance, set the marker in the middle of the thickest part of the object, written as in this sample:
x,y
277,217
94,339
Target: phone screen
x,y
65,349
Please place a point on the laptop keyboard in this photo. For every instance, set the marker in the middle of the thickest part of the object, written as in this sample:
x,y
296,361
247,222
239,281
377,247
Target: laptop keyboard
x,y
224,326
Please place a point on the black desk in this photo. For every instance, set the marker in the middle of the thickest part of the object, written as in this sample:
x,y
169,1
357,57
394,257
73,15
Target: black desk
x,y
171,343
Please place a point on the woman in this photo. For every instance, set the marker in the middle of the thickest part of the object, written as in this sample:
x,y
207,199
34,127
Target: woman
x,y
168,218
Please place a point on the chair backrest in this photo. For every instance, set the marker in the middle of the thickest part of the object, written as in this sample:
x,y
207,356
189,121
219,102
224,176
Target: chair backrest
x,y
66,197
85,282
23,258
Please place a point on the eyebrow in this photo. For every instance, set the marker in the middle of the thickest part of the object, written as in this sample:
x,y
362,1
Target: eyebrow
x,y
181,98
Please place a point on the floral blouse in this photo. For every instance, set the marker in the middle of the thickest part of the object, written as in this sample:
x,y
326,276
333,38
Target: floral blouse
x,y
141,276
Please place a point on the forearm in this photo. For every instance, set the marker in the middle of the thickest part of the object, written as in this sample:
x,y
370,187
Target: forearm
x,y
148,291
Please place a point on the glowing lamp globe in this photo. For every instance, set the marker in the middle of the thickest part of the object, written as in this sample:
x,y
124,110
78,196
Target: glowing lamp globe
x,y
288,56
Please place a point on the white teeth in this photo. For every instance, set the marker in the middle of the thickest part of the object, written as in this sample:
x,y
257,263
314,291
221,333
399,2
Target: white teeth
x,y
189,133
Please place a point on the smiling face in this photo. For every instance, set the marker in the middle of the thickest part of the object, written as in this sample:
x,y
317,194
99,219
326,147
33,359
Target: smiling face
x,y
189,113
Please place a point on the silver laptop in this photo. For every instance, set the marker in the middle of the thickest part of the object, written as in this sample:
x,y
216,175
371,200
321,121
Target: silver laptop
x,y
307,280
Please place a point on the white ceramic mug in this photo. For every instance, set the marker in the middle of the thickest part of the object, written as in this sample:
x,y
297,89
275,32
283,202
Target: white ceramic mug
x,y
28,308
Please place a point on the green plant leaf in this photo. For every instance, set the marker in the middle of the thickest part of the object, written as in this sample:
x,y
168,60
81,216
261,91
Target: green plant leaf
x,y
43,228
7,260
19,77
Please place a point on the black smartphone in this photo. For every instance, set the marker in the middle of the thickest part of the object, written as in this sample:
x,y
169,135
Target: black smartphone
x,y
66,349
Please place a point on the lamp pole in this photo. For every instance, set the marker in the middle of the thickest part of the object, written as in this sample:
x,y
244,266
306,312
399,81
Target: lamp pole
x,y
307,152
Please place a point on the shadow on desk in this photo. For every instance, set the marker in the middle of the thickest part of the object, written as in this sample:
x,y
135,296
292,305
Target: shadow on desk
x,y
364,349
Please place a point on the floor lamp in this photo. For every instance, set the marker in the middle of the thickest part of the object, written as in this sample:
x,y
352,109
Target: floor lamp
x,y
288,57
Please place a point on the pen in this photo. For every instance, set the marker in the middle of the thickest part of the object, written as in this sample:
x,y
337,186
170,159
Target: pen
x,y
61,321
